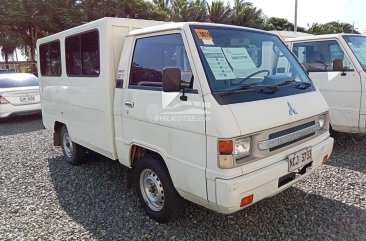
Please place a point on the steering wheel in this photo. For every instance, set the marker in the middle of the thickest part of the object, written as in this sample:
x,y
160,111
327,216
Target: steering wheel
x,y
254,74
321,62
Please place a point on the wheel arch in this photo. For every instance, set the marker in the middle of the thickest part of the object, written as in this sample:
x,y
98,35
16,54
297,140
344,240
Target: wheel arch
x,y
138,151
57,133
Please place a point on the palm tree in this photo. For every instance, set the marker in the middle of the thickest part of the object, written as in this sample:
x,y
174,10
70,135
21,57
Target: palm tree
x,y
245,14
183,10
218,12
162,4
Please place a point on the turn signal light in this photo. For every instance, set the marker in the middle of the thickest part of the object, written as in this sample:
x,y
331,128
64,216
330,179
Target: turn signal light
x,y
246,200
3,100
226,147
325,158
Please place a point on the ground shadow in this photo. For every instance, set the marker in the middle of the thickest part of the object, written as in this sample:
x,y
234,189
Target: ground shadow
x,y
20,124
94,195
349,151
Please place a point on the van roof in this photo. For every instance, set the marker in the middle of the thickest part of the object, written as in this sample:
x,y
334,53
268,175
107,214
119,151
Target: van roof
x,y
181,25
322,36
145,27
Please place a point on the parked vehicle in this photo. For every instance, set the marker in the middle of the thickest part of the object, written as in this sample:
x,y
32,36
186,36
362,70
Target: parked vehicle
x,y
19,94
336,63
222,116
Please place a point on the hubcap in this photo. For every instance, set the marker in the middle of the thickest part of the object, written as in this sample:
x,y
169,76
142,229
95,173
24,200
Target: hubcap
x,y
152,189
67,144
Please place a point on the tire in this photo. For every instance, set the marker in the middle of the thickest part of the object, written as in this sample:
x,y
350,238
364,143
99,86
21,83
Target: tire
x,y
161,201
73,153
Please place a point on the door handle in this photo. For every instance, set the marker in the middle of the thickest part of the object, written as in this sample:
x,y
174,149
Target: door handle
x,y
129,104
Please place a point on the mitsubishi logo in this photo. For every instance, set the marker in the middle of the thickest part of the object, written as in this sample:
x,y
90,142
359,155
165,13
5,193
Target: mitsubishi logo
x,y
291,110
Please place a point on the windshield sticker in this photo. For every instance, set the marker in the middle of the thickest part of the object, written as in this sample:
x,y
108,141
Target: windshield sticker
x,y
205,36
240,61
217,62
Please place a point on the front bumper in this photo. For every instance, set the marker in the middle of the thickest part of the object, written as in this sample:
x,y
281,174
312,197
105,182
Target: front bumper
x,y
264,182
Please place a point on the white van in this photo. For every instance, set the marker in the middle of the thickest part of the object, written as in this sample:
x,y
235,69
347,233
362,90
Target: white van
x,y
219,115
336,63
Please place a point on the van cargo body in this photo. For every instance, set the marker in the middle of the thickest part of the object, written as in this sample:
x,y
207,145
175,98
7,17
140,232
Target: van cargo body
x,y
219,115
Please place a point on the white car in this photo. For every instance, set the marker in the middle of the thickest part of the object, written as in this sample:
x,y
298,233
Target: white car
x,y
19,94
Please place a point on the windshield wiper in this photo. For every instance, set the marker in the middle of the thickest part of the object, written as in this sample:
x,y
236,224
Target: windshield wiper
x,y
296,84
241,87
272,88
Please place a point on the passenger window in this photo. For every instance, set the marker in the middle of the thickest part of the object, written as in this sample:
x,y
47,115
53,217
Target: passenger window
x,y
82,54
153,54
50,59
322,56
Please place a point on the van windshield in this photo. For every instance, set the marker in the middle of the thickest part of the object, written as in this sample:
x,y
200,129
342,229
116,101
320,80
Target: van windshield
x,y
241,61
358,46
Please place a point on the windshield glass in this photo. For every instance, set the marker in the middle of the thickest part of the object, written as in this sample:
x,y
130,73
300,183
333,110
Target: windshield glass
x,y
238,58
358,46
17,80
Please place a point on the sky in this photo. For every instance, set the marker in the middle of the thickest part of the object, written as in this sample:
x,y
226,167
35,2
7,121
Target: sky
x,y
311,11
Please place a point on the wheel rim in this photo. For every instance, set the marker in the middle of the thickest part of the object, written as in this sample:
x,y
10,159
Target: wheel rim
x,y
67,145
152,189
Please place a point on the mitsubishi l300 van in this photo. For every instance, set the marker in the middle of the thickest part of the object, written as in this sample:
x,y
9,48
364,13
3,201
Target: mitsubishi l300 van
x,y
219,115
336,63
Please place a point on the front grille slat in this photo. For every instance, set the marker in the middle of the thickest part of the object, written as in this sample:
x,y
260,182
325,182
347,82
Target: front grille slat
x,y
289,136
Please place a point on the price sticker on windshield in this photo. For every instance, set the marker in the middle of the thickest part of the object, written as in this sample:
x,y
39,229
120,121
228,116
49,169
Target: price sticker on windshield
x,y
205,36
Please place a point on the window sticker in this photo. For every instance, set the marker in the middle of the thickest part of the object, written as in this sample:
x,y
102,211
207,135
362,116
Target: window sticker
x,y
205,36
240,60
218,63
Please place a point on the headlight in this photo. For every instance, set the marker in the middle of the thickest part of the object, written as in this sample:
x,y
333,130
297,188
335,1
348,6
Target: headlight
x,y
231,150
321,121
242,147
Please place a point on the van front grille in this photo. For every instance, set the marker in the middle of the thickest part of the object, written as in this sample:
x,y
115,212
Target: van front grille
x,y
289,136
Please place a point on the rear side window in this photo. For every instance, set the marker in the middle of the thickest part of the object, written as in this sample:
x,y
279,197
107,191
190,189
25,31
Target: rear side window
x,y
322,56
17,80
153,54
50,59
82,54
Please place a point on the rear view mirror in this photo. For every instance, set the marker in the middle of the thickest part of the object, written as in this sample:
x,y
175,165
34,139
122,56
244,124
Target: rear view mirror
x,y
338,65
171,80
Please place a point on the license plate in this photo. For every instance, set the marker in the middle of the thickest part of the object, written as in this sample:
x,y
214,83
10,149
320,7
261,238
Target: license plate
x,y
299,159
30,98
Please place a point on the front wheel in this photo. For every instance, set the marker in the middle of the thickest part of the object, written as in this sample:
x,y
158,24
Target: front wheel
x,y
155,189
73,153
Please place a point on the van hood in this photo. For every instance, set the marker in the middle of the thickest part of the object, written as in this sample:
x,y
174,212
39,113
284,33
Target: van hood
x,y
260,115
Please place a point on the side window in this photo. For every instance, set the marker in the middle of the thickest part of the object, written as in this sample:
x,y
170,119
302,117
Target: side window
x,y
82,54
50,59
153,54
322,56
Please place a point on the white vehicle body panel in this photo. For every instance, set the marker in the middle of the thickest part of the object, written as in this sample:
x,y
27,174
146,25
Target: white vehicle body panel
x,y
344,92
112,119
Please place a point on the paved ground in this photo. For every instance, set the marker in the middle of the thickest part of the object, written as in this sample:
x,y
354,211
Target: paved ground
x,y
42,197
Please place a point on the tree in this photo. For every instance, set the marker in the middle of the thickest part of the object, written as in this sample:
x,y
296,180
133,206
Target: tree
x,y
281,24
245,14
28,20
218,12
331,27
185,11
9,42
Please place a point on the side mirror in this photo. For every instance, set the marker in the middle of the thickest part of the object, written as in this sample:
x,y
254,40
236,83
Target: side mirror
x,y
171,80
338,65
